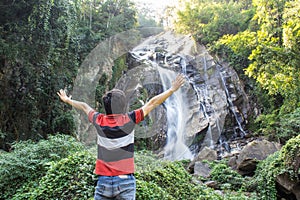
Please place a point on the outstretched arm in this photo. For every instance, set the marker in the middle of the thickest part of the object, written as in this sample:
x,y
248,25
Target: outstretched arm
x,y
76,104
159,99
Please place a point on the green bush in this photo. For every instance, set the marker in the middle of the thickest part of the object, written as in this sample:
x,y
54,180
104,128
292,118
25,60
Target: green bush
x,y
69,178
228,178
29,161
279,127
289,126
149,190
283,161
161,179
172,181
290,155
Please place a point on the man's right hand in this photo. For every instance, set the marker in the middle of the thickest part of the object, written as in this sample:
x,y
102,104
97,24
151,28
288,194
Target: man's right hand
x,y
178,82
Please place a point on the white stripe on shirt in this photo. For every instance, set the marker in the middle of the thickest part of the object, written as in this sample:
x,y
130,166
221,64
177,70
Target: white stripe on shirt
x,y
116,143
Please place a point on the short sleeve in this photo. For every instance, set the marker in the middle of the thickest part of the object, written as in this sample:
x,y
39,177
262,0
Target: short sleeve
x,y
137,116
91,116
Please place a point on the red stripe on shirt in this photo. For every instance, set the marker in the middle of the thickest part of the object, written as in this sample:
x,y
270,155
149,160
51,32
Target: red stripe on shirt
x,y
139,115
125,166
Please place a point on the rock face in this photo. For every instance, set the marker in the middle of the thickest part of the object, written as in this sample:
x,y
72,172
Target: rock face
x,y
253,152
213,94
206,154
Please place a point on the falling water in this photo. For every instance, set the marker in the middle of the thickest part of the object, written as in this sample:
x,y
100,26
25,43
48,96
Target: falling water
x,y
207,108
229,100
175,148
209,85
176,106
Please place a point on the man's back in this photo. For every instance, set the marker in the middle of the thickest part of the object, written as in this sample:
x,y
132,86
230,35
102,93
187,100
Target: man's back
x,y
115,142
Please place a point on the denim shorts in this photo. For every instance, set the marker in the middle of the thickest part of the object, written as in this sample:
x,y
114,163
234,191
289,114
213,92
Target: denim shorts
x,y
116,187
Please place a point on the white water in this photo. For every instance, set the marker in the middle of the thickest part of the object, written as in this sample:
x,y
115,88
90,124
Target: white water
x,y
176,105
207,109
231,105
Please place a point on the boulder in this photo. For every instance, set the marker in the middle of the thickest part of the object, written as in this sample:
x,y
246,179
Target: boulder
x,y
232,162
288,186
252,153
202,169
205,154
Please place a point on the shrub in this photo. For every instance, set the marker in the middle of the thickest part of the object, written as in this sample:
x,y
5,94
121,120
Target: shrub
x,y
150,190
228,178
289,126
29,161
283,161
69,178
172,181
290,155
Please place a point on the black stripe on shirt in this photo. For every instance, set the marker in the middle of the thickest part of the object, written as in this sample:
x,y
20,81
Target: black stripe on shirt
x,y
115,154
115,132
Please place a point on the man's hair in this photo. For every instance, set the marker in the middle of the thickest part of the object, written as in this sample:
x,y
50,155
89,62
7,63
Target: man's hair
x,y
115,102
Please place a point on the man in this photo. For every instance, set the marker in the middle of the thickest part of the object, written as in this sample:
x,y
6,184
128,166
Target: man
x,y
115,162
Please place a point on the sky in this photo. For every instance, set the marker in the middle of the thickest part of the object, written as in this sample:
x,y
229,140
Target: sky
x,y
158,7
157,3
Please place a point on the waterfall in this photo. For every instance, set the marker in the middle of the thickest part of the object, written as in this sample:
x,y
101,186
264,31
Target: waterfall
x,y
229,100
205,108
175,148
176,107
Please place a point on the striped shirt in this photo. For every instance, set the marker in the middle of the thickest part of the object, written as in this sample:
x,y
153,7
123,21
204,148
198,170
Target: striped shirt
x,y
115,141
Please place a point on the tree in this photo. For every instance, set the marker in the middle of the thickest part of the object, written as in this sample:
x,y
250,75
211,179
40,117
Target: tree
x,y
275,60
208,21
40,52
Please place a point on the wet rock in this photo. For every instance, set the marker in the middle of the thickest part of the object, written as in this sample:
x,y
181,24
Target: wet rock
x,y
252,153
215,97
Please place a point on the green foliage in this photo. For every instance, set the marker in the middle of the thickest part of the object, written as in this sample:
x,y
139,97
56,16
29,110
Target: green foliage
x,y
120,16
42,44
69,178
68,121
150,190
118,70
176,182
280,127
290,154
29,161
281,162
227,177
170,180
214,19
288,125
236,49
146,161
275,60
